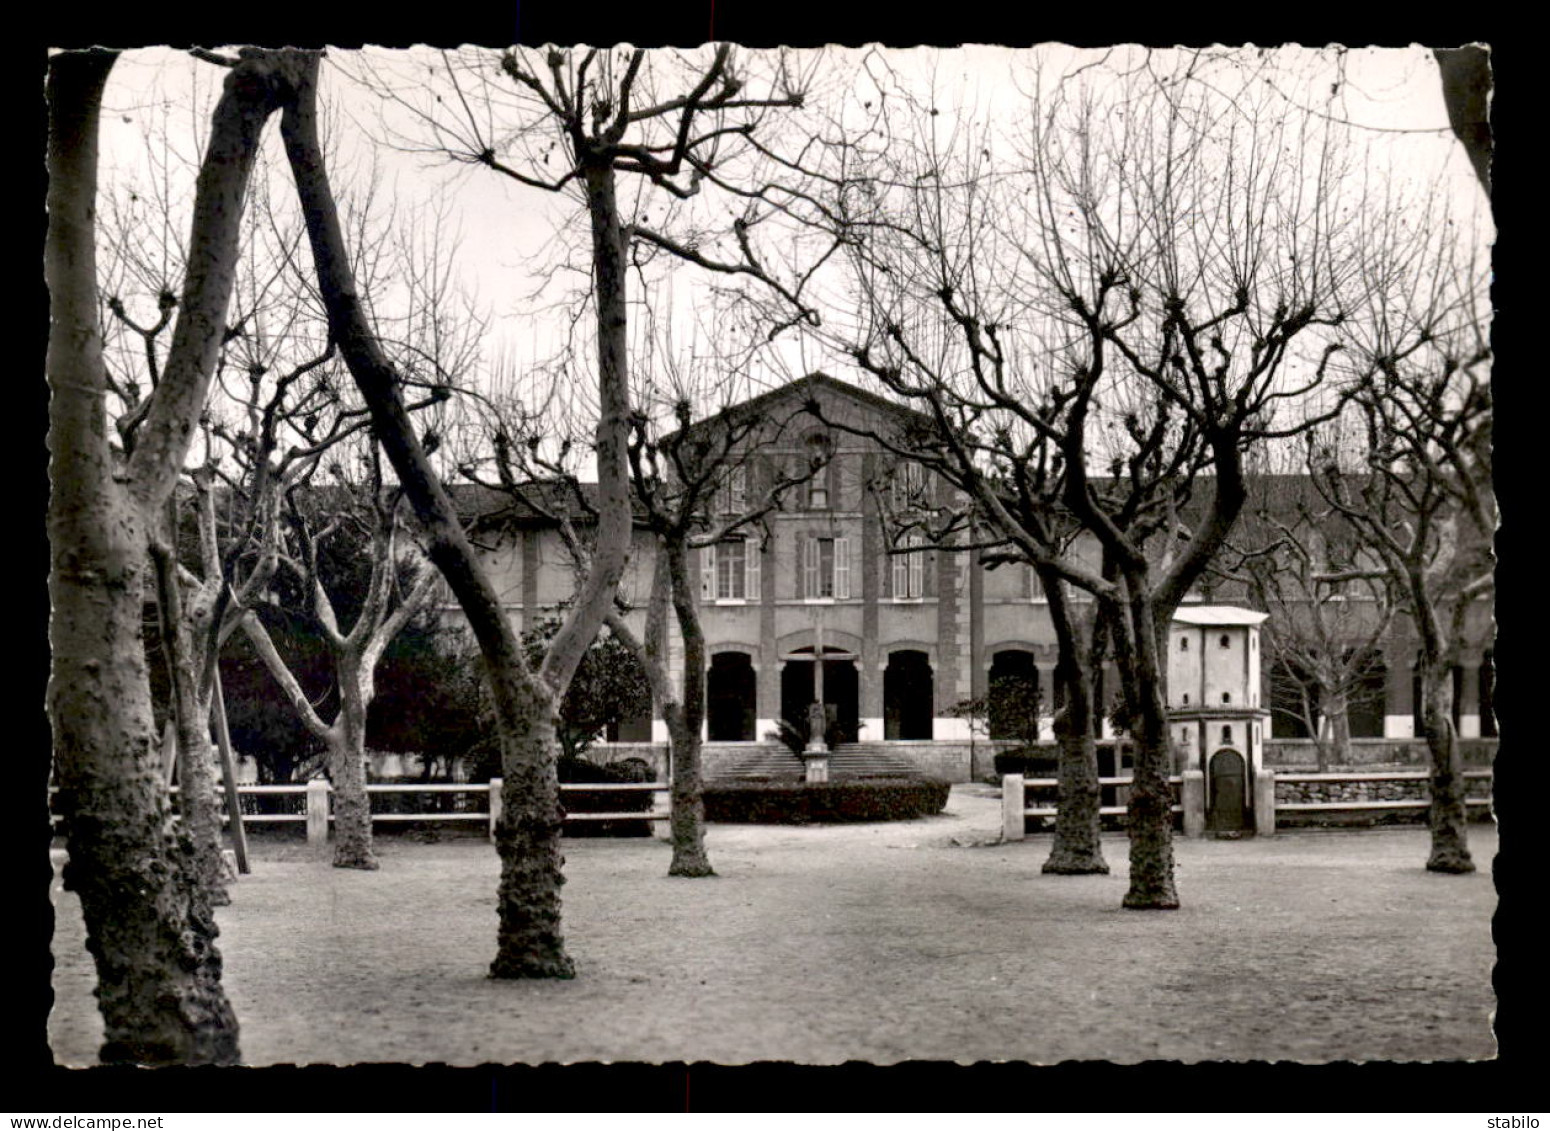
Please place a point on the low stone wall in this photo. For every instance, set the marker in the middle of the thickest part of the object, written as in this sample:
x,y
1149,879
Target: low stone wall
x,y
1375,754
945,761
1304,792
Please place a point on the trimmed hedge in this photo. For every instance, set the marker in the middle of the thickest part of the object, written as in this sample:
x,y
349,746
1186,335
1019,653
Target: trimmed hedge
x,y
579,771
799,803
1043,760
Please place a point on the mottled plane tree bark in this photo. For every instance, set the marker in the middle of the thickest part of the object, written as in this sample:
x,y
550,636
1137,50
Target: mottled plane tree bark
x,y
150,926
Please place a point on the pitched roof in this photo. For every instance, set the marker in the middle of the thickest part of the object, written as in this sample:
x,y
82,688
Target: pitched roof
x,y
804,389
1217,615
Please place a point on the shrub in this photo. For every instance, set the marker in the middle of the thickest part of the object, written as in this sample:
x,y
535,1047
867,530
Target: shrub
x,y
1043,760
1030,761
789,803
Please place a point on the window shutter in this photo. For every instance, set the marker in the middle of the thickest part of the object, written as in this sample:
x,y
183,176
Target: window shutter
x,y
900,576
842,568
810,568
917,563
751,568
708,573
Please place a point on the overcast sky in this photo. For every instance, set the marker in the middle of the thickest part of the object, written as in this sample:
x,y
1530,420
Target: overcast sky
x,y
1391,96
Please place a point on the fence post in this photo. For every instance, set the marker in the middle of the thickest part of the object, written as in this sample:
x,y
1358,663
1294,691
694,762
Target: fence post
x,y
662,802
317,811
1193,798
1265,803
495,803
1012,806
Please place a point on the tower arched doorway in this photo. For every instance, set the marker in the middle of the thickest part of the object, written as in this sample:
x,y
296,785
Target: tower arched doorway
x,y
1227,811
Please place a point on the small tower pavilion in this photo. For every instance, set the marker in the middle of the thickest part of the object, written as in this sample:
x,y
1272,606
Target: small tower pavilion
x,y
1218,725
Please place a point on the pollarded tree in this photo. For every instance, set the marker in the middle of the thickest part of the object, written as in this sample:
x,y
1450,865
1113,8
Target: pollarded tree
x,y
701,488
149,922
1322,642
277,407
355,650
698,486
1410,470
1119,314
600,112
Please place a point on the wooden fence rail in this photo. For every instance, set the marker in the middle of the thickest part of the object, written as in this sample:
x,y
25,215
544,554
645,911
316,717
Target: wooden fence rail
x,y
318,812
1015,808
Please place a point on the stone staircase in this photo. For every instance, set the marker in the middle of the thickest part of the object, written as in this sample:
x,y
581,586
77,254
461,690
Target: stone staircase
x,y
770,761
869,760
774,762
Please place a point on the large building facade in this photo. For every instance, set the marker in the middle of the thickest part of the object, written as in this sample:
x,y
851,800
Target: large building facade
x,y
906,648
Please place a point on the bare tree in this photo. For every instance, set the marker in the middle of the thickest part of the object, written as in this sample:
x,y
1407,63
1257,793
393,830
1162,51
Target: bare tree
x,y
149,922
601,113
354,650
1411,472
1323,640
699,485
1119,316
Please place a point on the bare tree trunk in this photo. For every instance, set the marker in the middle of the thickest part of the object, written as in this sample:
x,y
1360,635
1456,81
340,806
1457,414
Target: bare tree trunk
x,y
1335,732
527,834
688,796
688,800
198,805
1078,847
150,927
347,769
529,941
1151,798
1447,814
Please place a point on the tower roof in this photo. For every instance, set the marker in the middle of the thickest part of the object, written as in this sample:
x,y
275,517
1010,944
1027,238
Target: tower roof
x,y
1218,615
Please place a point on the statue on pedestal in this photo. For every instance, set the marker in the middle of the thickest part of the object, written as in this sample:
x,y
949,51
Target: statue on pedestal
x,y
817,723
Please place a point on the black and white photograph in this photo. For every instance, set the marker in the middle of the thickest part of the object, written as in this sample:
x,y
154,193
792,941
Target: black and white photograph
x,y
734,554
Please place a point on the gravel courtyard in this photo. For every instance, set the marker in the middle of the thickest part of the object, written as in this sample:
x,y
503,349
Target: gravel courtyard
x,y
920,940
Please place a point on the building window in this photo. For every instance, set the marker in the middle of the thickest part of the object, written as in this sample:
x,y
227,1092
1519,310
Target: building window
x,y
818,490
1225,641
729,571
826,569
909,487
732,497
1186,699
1226,697
1183,644
1031,588
1227,736
820,454
909,571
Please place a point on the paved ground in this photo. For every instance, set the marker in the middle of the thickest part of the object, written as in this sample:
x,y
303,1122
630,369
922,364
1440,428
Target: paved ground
x,y
883,942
